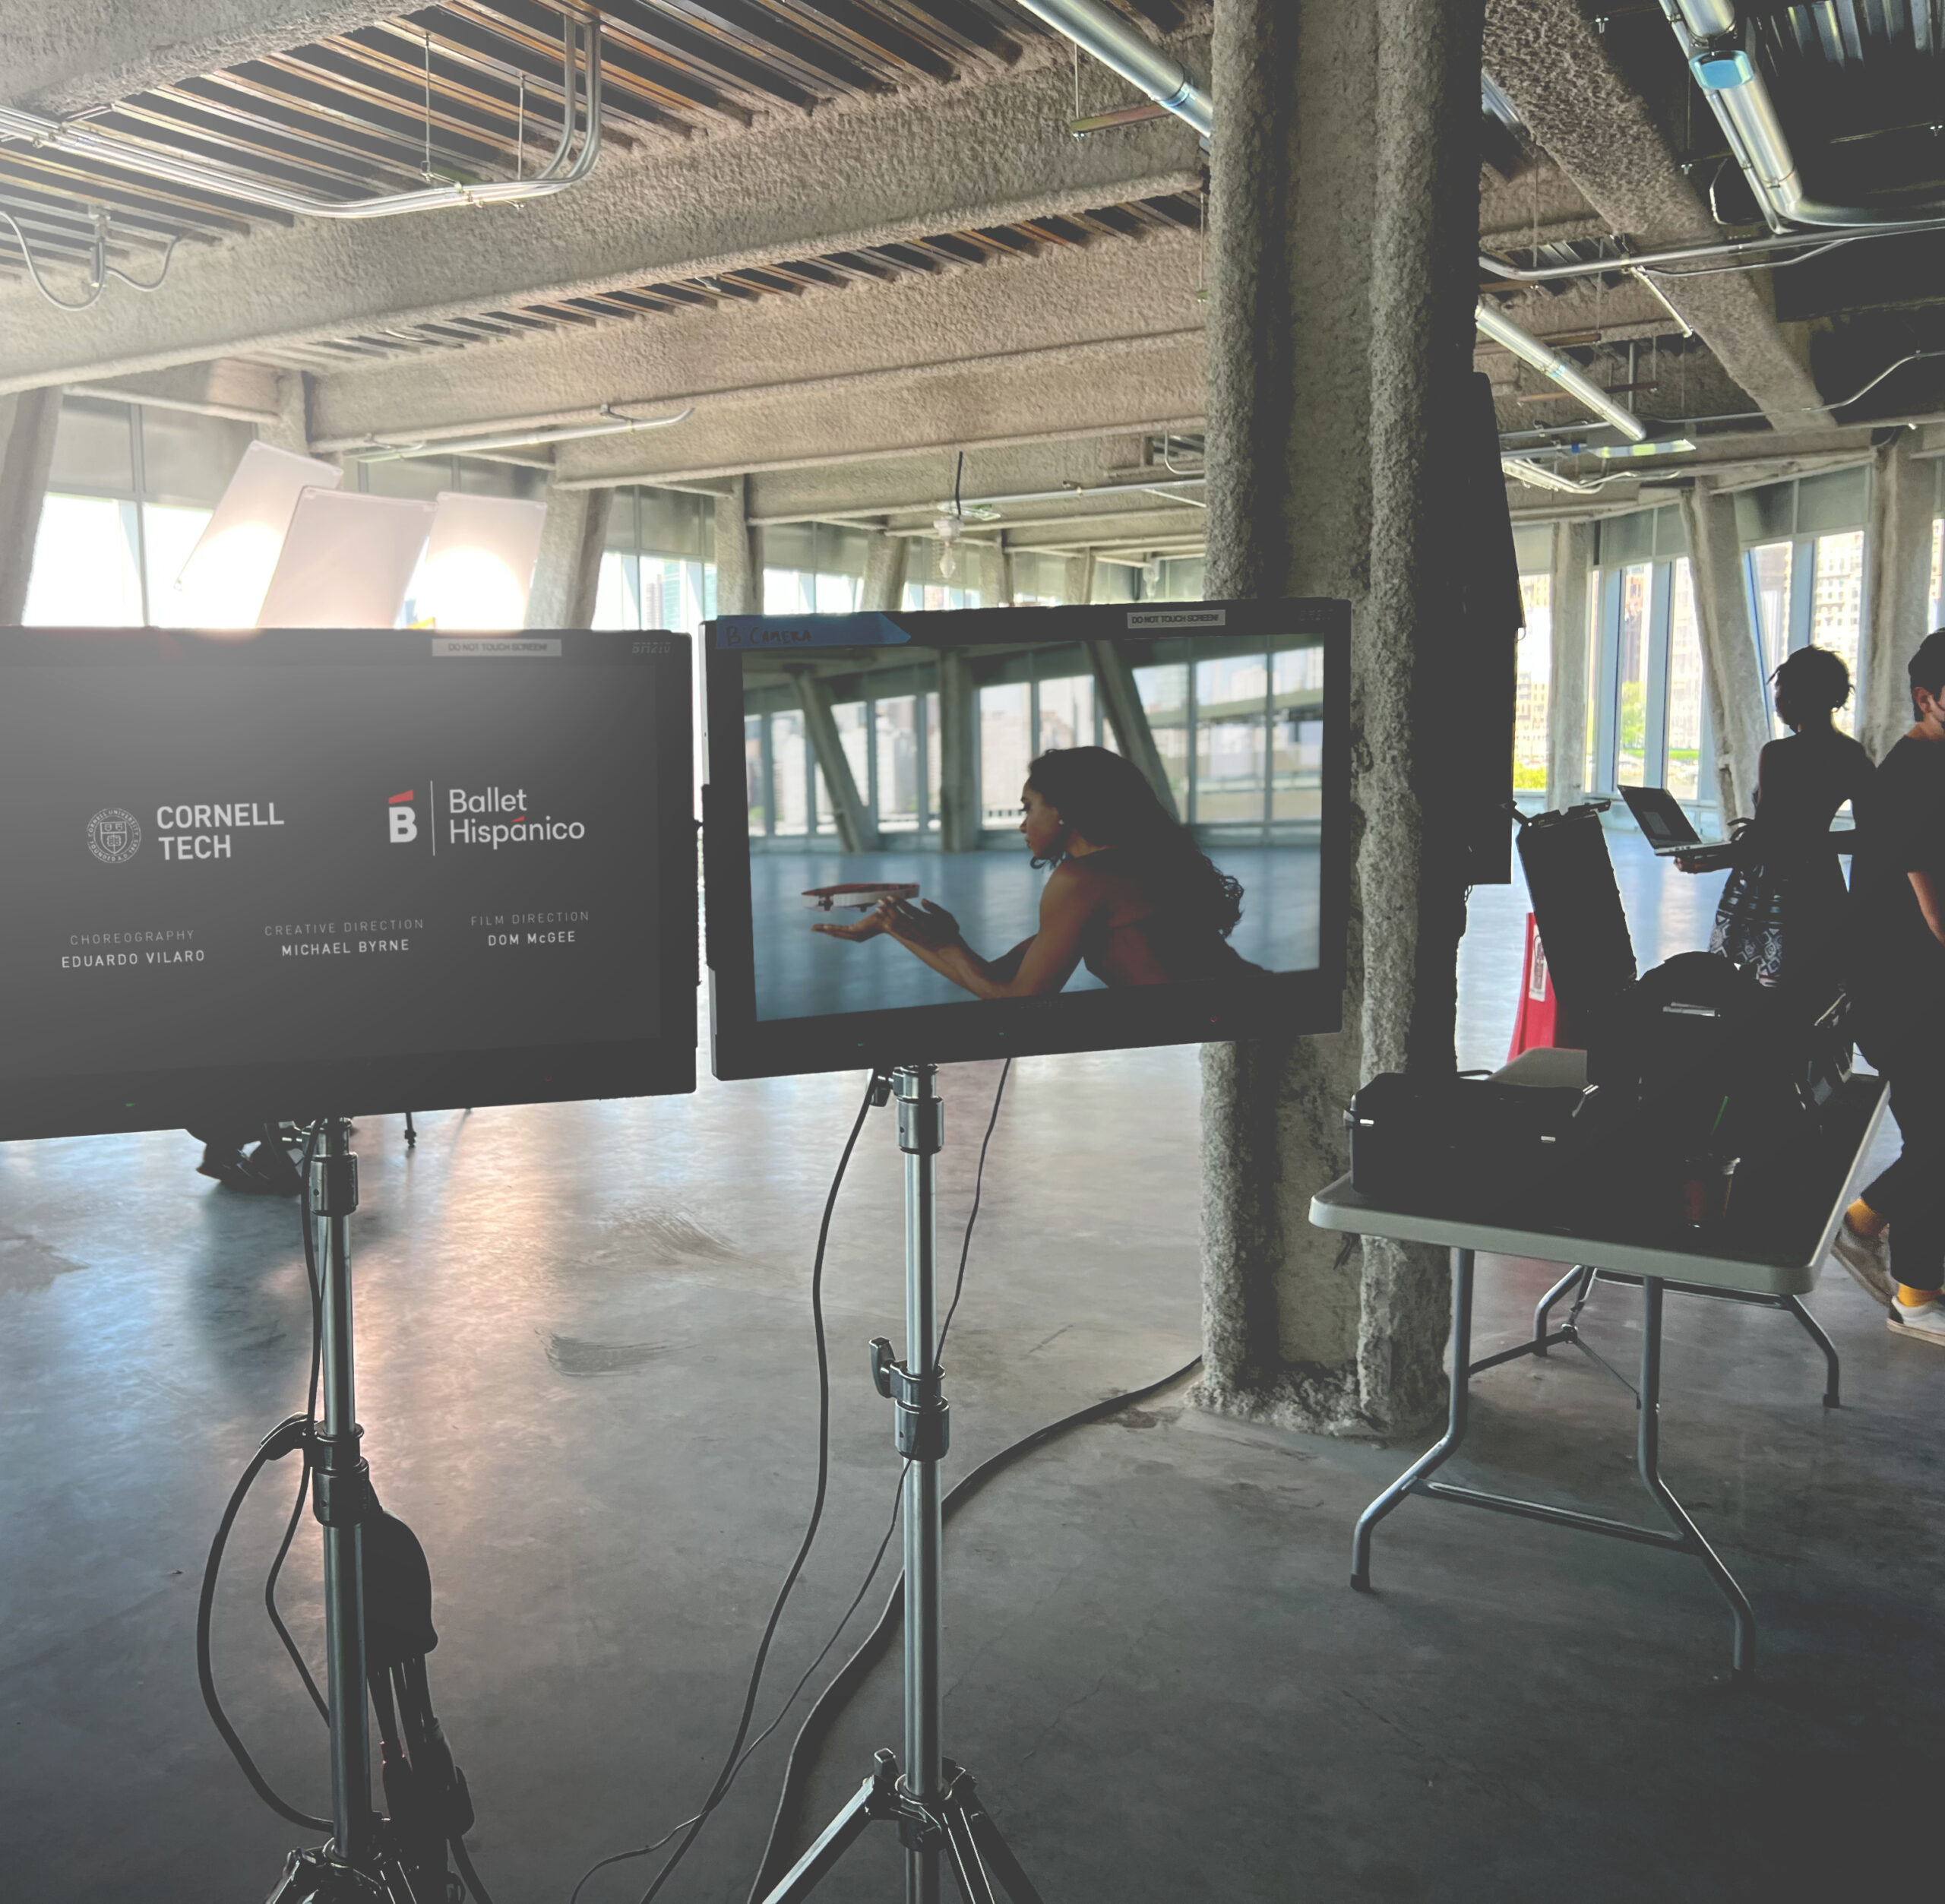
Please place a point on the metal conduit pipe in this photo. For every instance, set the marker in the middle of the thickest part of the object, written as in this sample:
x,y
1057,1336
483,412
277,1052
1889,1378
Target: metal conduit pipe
x,y
561,171
507,437
1682,255
1708,31
1502,329
1115,43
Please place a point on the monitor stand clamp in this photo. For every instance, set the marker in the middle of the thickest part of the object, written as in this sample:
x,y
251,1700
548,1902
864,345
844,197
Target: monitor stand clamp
x,y
934,1805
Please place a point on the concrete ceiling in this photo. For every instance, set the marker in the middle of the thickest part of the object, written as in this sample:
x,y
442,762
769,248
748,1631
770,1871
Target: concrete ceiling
x,y
855,236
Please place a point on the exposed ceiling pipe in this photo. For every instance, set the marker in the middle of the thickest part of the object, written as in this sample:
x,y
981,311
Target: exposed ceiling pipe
x,y
1709,32
1096,29
513,437
567,167
1688,253
1113,41
1073,491
1502,329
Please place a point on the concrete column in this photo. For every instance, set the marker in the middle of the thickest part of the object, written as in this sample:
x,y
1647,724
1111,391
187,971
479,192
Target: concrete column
x,y
292,430
1731,675
959,755
1897,574
28,424
1008,580
567,575
1121,701
883,589
1566,698
1079,589
856,832
1343,195
738,575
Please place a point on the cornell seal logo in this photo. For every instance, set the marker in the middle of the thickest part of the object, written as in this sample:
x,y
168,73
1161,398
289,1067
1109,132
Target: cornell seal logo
x,y
113,835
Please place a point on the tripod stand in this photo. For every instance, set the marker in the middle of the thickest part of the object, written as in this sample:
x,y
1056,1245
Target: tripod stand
x,y
401,1859
934,1804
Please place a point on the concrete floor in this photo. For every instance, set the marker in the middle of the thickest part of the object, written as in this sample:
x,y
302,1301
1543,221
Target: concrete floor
x,y
586,1382
995,897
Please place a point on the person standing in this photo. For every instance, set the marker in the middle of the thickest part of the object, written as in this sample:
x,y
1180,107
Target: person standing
x,y
1892,1239
1783,907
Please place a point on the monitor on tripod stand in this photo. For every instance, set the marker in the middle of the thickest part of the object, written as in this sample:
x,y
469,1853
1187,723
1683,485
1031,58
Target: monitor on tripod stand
x,y
304,875
987,833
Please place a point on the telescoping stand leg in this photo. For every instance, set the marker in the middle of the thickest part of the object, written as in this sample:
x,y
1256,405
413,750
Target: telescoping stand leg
x,y
934,1804
352,1865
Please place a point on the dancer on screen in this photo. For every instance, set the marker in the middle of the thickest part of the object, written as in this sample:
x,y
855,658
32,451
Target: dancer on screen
x,y
1131,894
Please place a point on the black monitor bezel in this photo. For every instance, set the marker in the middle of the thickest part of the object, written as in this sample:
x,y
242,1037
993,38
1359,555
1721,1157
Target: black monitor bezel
x,y
302,1089
743,1046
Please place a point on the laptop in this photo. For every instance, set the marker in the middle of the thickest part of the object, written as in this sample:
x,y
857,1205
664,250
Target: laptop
x,y
1659,814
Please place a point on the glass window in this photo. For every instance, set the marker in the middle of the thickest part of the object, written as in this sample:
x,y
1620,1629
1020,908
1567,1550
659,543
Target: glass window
x,y
838,594
1296,767
1770,588
856,739
1231,704
94,446
1631,677
1837,608
790,765
1164,692
897,746
86,572
169,533
1066,713
1684,774
1533,685
1006,747
187,458
932,760
756,779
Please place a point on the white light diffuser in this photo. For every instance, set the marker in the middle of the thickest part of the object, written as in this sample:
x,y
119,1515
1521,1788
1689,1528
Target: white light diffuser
x,y
222,581
347,561
479,562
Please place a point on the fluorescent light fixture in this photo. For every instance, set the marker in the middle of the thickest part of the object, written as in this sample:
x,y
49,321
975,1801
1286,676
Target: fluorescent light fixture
x,y
1494,323
479,564
1657,446
1537,476
222,581
346,562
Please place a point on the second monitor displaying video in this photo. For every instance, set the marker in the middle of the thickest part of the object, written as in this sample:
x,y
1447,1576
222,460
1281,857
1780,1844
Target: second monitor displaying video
x,y
1058,805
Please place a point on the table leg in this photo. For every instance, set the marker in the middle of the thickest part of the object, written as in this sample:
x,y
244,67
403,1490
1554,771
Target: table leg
x,y
1831,1398
1455,1431
1546,1306
1648,1459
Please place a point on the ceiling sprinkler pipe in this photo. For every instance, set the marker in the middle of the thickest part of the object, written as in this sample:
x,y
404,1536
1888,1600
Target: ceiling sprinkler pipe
x,y
511,439
561,171
1502,329
1708,31
1096,29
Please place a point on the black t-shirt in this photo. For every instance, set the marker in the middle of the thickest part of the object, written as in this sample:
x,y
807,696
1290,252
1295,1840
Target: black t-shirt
x,y
1902,833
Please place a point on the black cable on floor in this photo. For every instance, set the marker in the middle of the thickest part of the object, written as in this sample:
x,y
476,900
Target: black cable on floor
x,y
824,1713
973,1215
730,1763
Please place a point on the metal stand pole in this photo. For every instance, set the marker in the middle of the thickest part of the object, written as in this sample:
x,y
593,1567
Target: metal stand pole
x,y
921,1136
339,1488
934,1804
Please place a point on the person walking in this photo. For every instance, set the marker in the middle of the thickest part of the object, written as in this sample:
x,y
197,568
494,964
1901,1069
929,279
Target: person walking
x,y
1892,1237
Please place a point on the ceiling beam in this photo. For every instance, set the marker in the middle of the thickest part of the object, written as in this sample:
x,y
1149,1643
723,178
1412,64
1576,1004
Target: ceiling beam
x,y
1555,66
1076,344
984,153
74,57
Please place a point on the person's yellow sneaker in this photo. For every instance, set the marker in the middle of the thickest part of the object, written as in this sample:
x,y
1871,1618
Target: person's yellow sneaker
x,y
1925,1324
